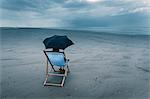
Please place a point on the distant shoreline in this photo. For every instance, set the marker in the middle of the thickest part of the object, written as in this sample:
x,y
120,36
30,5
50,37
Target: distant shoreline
x,y
78,30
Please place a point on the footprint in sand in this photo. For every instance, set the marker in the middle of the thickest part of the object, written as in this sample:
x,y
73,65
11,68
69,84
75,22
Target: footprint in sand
x,y
126,57
143,69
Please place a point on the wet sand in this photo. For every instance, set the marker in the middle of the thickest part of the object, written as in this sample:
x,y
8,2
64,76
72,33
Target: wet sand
x,y
103,66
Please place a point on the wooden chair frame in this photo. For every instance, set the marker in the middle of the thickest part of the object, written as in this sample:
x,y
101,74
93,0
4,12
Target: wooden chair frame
x,y
64,75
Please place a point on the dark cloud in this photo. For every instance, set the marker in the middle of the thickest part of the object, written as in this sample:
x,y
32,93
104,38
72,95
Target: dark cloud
x,y
73,13
75,5
29,5
17,5
127,19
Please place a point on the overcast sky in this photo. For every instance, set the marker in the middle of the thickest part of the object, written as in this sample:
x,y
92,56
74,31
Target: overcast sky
x,y
74,13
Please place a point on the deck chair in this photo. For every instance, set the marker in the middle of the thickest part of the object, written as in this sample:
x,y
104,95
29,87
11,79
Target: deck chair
x,y
56,59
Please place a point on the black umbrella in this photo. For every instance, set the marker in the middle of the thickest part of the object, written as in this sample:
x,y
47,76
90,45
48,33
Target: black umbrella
x,y
57,42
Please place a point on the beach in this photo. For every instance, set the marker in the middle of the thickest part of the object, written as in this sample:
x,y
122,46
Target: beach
x,y
102,65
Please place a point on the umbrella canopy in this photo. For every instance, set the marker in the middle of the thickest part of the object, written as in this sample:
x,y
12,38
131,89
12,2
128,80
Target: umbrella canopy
x,y
57,42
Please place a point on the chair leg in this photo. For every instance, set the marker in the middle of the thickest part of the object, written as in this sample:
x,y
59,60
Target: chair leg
x,y
68,69
46,80
64,77
63,80
51,84
54,84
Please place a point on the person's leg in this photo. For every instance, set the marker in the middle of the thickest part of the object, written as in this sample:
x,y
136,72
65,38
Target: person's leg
x,y
61,69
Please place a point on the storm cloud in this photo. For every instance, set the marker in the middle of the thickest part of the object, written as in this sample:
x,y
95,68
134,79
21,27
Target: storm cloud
x,y
73,13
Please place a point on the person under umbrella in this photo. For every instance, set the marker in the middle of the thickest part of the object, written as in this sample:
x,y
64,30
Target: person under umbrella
x,y
61,69
57,42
